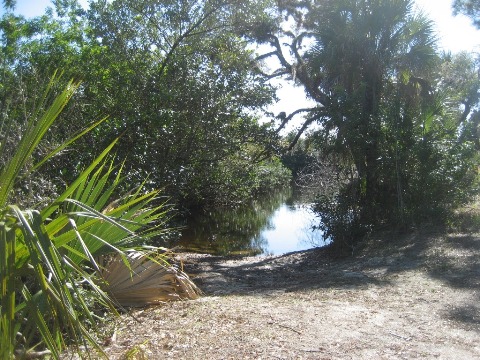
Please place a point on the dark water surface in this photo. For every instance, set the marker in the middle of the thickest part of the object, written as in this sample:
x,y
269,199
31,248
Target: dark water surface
x,y
275,224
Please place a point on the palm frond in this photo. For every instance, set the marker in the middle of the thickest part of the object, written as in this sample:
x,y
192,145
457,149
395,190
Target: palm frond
x,y
7,290
38,281
36,129
54,309
79,181
57,249
148,281
68,142
131,222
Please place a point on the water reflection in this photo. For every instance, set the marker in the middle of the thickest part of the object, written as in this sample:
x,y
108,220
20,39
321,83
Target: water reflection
x,y
275,224
292,230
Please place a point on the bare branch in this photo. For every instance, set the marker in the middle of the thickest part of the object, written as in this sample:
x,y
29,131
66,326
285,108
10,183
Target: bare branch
x,y
276,74
286,119
304,127
265,56
275,42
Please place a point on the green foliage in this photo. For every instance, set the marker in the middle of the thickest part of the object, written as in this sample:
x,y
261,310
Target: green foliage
x,y
9,4
189,108
301,157
184,94
49,289
232,181
390,106
374,65
175,78
340,217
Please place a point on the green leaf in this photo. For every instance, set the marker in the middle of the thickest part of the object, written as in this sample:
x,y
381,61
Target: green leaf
x,y
7,291
36,130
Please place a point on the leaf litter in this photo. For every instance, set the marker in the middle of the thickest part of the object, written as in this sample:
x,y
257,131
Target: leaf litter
x,y
409,297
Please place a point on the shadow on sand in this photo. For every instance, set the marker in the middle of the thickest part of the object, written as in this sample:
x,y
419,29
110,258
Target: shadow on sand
x,y
452,259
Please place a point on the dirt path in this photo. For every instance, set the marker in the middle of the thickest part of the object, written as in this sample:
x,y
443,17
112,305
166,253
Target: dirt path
x,y
420,299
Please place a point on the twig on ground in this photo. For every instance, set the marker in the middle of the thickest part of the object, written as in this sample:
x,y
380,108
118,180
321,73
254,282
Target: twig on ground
x,y
285,326
312,350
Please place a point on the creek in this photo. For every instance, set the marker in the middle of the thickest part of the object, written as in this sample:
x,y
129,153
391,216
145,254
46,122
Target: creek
x,y
279,223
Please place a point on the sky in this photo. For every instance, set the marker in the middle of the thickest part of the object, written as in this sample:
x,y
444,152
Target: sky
x,y
455,34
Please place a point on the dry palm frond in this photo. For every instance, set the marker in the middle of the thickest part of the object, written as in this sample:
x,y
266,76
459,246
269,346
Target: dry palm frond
x,y
147,280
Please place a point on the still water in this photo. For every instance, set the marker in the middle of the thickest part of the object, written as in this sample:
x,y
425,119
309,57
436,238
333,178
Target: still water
x,y
273,225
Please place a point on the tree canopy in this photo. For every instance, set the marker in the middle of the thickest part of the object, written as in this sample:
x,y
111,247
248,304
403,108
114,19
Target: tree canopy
x,y
470,8
187,84
174,95
373,69
175,79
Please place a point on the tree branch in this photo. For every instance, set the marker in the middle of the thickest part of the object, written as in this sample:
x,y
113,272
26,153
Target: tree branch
x,y
305,125
286,119
191,31
301,74
265,56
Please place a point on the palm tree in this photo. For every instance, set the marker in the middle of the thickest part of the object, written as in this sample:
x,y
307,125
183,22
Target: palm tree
x,y
366,63
364,50
360,55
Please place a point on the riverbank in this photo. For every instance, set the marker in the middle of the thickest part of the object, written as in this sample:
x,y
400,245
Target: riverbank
x,y
416,296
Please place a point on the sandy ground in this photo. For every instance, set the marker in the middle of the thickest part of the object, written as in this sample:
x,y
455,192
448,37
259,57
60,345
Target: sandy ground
x,y
412,297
